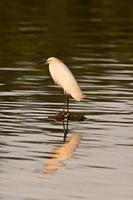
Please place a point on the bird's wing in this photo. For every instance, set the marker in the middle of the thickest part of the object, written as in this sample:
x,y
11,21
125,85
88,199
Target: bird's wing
x,y
63,77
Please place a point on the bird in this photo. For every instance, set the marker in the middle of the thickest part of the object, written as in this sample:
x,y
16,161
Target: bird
x,y
64,78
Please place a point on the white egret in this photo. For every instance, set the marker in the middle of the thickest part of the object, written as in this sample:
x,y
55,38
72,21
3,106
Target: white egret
x,y
64,78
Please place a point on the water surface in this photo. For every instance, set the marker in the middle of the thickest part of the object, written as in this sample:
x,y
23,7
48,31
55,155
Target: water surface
x,y
95,39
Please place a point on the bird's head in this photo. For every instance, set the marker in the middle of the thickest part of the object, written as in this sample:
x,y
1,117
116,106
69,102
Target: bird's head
x,y
51,60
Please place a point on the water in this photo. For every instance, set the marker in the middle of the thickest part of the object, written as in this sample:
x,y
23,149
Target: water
x,y
95,39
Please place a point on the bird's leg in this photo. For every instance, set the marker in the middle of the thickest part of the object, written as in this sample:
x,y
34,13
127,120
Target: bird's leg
x,y
64,108
65,121
64,125
65,103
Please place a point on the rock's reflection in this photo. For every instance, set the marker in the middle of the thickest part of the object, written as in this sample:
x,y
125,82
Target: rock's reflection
x,y
65,117
62,153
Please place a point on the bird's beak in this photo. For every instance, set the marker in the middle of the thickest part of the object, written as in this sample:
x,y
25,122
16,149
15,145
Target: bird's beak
x,y
43,62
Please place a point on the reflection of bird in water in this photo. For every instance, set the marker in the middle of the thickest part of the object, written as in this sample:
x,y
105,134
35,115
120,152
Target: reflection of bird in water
x,y
64,78
62,153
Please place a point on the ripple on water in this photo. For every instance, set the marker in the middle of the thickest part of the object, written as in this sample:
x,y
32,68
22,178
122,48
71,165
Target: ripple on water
x,y
96,160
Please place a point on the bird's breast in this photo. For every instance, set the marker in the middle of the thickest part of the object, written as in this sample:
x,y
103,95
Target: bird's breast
x,y
63,77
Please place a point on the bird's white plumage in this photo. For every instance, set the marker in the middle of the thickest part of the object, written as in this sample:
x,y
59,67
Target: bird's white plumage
x,y
63,77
